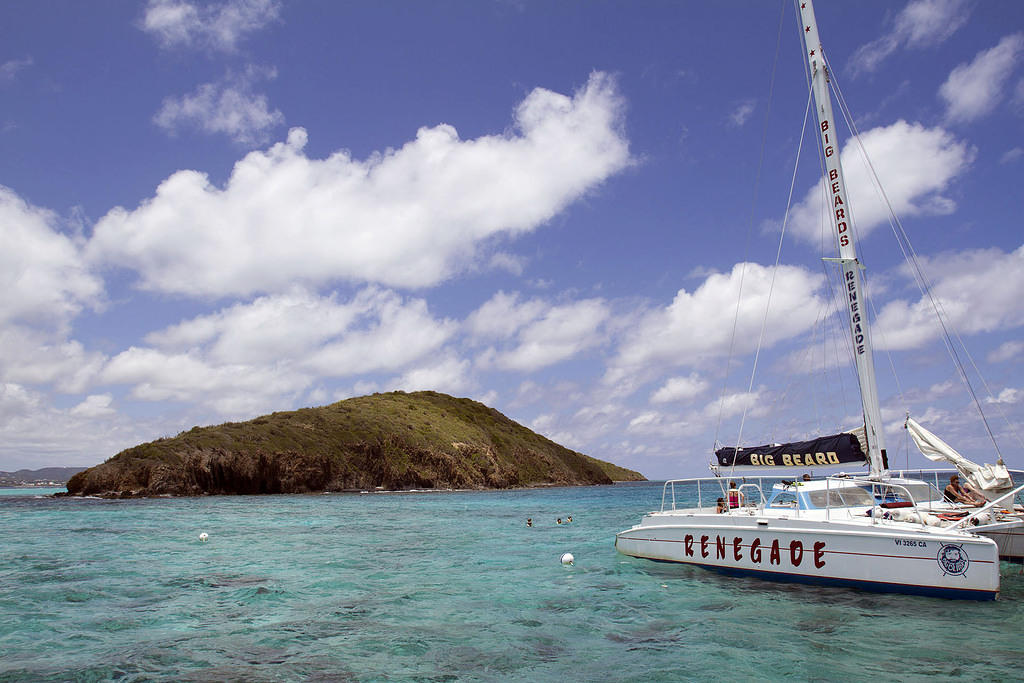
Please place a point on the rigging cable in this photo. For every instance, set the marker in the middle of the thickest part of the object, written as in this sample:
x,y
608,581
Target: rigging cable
x,y
775,270
923,284
753,206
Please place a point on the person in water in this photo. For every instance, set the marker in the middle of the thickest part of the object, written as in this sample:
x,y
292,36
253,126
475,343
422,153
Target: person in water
x,y
529,521
955,493
721,506
559,520
735,497
569,519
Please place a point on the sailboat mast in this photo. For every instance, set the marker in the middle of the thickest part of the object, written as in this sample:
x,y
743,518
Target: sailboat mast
x,y
842,224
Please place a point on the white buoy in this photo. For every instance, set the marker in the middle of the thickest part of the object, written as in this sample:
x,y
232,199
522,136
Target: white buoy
x,y
567,558
204,537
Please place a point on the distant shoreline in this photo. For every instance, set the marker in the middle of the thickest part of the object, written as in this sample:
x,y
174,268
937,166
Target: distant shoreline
x,y
48,485
342,492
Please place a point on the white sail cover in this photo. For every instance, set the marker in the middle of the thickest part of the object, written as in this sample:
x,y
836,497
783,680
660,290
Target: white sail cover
x,y
986,478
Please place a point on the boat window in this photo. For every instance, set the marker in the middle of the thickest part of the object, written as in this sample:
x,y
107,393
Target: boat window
x,y
923,492
841,497
784,500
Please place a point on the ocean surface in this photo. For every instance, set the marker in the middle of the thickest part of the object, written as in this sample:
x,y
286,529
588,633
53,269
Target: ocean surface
x,y
439,587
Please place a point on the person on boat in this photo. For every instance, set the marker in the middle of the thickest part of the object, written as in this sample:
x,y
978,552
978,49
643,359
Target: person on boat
x,y
721,506
735,497
955,493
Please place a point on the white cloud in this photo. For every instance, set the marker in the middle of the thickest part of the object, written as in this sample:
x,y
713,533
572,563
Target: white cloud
x,y
973,90
698,326
914,165
94,405
45,284
10,68
37,357
1006,351
593,421
645,421
563,332
947,388
742,112
235,390
510,263
448,374
33,433
539,333
410,217
921,24
287,326
218,26
680,389
16,401
229,107
730,405
817,357
654,423
250,358
1011,155
978,291
42,274
502,316
1006,396
397,334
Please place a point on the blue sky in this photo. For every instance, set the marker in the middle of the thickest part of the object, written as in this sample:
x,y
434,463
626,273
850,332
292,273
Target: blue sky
x,y
212,211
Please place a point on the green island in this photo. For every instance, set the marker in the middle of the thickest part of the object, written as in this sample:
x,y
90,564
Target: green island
x,y
391,441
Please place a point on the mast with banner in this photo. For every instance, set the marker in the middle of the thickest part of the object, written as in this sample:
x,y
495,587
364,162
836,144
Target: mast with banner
x,y
835,191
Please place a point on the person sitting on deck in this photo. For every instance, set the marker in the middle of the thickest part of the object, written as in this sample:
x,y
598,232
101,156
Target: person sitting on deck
x,y
735,497
955,493
721,506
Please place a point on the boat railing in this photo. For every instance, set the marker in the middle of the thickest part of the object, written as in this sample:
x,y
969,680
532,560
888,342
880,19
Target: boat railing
x,y
709,489
934,475
887,498
890,491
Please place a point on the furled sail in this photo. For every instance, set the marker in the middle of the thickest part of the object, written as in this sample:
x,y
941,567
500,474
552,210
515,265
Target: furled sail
x,y
988,479
838,450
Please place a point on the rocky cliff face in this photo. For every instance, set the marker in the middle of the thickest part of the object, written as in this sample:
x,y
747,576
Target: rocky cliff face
x,y
390,441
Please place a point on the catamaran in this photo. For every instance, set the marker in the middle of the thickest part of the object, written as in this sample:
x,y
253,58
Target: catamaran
x,y
876,531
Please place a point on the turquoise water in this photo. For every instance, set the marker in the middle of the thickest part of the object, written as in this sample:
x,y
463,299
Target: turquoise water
x,y
438,587
30,491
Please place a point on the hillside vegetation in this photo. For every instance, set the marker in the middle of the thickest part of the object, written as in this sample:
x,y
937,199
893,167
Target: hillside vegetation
x,y
392,441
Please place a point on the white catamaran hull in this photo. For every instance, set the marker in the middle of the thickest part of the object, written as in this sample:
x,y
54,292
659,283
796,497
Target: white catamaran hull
x,y
1009,538
886,558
